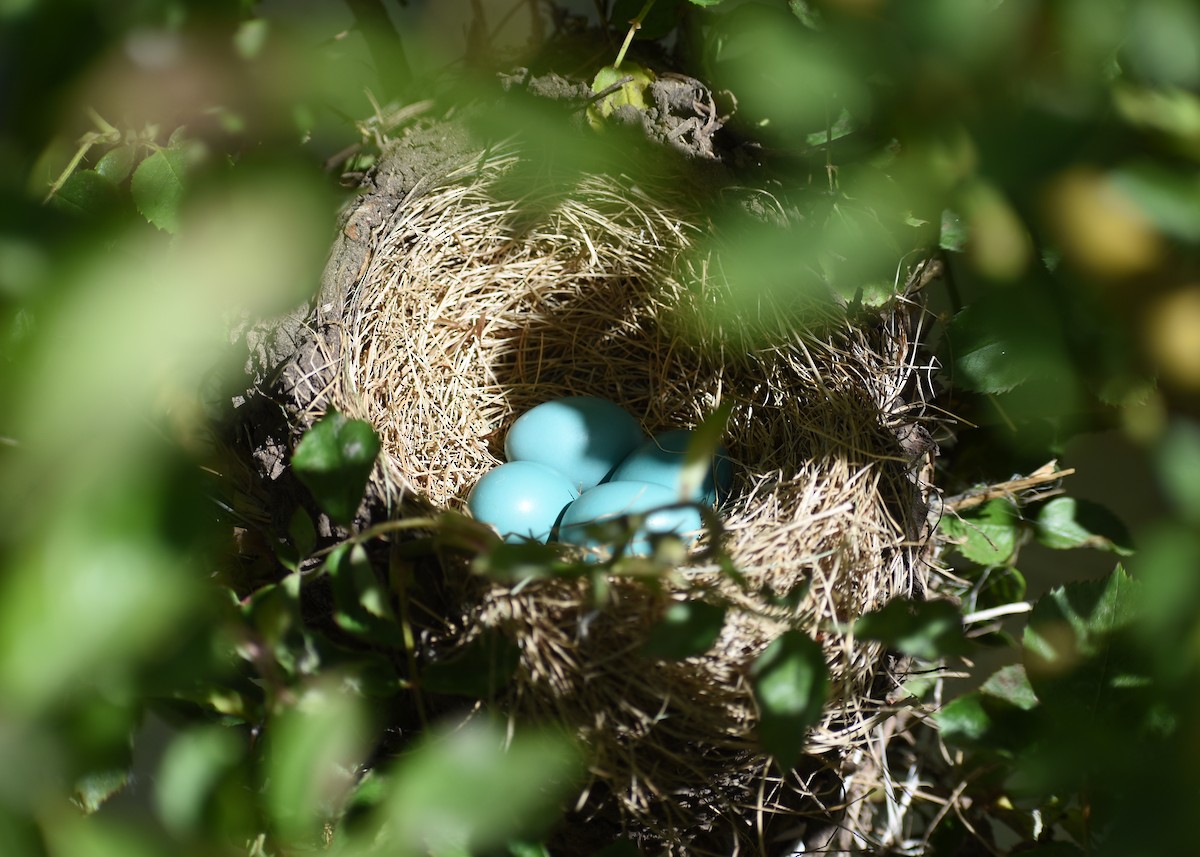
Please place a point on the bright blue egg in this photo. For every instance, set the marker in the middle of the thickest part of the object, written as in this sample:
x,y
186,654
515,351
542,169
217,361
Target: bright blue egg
x,y
583,437
613,499
523,500
660,460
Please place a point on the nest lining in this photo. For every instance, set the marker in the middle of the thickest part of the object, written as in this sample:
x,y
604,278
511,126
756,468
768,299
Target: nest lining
x,y
472,307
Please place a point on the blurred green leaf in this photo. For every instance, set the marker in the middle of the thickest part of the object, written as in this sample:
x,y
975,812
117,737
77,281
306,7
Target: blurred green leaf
x,y
791,683
1003,340
1170,199
987,535
473,788
92,790
953,234
334,459
158,187
1177,458
687,629
1065,523
192,768
928,630
481,669
87,193
315,749
1011,685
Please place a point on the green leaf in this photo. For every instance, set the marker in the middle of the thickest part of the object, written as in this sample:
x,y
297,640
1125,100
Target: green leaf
x,y
480,670
1003,340
631,93
92,790
192,767
302,532
705,3
1011,684
1065,523
334,460
687,629
468,789
361,604
1169,198
953,236
86,193
1075,651
987,535
702,450
158,187
1177,461
117,163
791,683
1000,585
993,718
314,750
928,630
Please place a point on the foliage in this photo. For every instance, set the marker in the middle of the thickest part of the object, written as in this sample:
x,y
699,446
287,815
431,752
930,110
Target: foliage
x,y
169,171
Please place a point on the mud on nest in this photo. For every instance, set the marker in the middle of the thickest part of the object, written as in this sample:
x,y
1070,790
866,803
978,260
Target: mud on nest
x,y
452,304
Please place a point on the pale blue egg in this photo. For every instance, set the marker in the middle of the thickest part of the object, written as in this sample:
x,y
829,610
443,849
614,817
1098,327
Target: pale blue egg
x,y
660,461
583,437
523,500
613,499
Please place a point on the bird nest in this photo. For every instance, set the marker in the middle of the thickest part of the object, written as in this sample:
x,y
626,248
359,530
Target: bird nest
x,y
453,304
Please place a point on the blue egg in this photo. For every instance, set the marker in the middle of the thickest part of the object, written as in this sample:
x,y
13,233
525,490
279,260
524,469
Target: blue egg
x,y
660,461
583,437
613,499
523,500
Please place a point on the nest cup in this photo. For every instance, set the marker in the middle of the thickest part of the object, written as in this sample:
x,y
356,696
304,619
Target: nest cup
x,y
453,305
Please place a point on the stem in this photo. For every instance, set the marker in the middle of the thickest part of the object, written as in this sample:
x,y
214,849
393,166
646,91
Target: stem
x,y
634,26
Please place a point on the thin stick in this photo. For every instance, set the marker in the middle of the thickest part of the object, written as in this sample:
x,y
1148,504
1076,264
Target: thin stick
x,y
634,26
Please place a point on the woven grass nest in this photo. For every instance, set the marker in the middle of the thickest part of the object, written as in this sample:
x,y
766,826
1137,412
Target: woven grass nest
x,y
452,305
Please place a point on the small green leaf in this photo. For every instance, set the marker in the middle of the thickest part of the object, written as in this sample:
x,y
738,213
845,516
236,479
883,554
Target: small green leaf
x,y
117,163
480,670
302,532
92,790
702,450
953,235
334,460
86,193
791,683
928,630
987,535
361,604
1066,522
158,187
1011,684
687,629
705,3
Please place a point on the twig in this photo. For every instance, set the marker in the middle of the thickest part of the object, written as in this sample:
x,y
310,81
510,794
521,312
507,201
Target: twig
x,y
977,496
1014,609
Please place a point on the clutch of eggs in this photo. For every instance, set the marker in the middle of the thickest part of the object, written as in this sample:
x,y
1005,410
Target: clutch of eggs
x,y
580,461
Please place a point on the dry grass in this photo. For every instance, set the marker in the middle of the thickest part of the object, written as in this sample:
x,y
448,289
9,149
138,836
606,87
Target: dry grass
x,y
471,309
